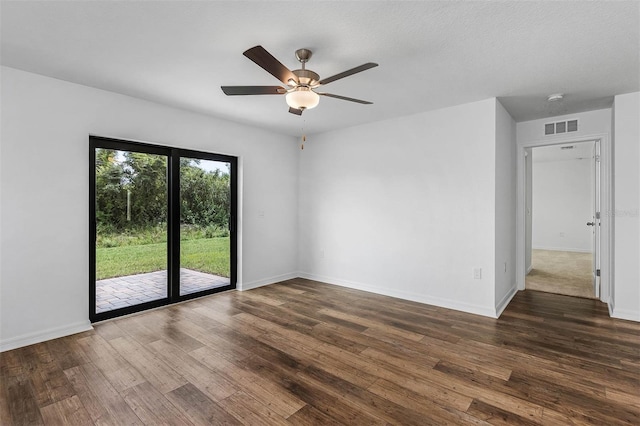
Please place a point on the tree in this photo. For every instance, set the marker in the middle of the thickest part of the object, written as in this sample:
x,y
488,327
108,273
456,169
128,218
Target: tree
x,y
204,196
139,181
111,196
146,176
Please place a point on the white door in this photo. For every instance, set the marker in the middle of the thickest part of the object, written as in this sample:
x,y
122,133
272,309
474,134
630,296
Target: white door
x,y
595,221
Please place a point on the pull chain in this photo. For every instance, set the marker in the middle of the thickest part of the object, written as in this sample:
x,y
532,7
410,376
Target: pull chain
x,y
304,137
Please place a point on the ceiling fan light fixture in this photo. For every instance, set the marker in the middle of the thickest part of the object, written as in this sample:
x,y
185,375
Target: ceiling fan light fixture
x,y
302,98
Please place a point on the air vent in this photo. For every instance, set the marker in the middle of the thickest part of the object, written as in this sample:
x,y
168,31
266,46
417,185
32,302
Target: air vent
x,y
561,127
549,129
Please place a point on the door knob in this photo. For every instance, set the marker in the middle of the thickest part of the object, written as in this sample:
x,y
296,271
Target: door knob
x,y
591,223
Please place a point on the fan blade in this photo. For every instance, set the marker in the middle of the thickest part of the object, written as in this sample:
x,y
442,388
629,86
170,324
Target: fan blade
x,y
295,111
344,98
253,90
347,73
264,59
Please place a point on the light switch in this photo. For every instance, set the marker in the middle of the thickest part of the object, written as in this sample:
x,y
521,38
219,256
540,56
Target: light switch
x,y
477,273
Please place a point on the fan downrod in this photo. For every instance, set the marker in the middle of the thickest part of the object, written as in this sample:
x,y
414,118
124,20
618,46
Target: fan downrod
x,y
306,78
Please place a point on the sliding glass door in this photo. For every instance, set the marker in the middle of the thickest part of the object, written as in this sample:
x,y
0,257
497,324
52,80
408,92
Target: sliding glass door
x,y
205,212
161,226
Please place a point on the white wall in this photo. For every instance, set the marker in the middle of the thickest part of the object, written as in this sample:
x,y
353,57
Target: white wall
x,y
589,123
562,204
505,219
405,207
626,302
45,192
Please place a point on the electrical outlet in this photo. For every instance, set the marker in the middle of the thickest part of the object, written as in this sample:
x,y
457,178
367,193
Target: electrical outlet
x,y
477,273
562,234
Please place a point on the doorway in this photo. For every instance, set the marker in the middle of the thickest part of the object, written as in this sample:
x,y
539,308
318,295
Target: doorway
x,y
563,219
162,226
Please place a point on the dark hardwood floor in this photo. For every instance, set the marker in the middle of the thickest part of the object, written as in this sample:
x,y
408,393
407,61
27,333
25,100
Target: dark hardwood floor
x,y
307,353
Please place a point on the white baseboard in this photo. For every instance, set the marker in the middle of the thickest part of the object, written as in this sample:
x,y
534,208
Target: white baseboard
x,y
41,336
429,300
54,333
267,281
577,250
529,269
502,305
625,314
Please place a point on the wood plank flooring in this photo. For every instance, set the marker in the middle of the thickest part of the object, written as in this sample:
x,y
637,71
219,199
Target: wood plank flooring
x,y
306,353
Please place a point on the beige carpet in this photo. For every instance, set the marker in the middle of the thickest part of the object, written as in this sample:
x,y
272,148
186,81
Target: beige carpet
x,y
561,272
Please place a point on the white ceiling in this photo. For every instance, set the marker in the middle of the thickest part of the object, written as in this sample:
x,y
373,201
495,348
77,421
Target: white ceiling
x,y
432,54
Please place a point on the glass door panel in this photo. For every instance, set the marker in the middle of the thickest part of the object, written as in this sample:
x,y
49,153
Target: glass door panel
x,y
131,205
162,225
205,212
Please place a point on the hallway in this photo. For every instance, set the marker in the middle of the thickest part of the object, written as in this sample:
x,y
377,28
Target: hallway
x,y
561,272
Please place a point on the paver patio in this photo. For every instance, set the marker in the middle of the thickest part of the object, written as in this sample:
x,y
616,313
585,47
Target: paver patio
x,y
120,292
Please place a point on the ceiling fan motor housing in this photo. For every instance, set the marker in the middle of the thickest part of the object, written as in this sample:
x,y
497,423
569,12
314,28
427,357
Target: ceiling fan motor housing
x,y
306,77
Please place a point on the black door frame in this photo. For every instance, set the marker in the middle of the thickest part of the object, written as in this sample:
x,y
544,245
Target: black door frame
x,y
173,226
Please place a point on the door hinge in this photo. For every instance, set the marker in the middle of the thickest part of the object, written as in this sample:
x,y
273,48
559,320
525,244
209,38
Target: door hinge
x,y
597,215
597,158
597,272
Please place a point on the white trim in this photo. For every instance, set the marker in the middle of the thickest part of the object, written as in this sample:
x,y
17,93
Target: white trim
x,y
626,314
576,250
529,269
502,305
611,307
42,336
267,281
605,205
486,311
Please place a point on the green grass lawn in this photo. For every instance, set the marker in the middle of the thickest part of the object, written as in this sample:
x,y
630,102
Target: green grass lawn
x,y
210,255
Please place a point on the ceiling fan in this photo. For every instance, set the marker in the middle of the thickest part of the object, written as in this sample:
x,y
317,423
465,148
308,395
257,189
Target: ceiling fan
x,y
302,84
